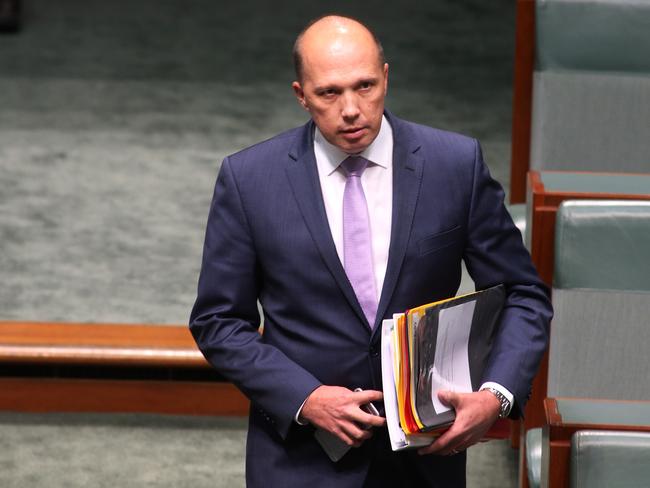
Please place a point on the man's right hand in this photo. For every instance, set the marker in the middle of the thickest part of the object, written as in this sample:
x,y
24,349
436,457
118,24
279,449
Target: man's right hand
x,y
338,410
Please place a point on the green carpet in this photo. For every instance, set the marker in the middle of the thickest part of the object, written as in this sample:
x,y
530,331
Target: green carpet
x,y
114,119
116,115
83,450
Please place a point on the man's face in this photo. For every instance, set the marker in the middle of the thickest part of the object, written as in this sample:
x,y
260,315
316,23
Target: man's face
x,y
343,88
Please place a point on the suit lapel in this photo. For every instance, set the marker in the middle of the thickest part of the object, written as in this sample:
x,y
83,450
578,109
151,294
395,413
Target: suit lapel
x,y
407,178
303,177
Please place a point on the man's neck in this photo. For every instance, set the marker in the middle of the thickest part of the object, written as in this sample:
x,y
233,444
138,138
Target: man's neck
x,y
380,150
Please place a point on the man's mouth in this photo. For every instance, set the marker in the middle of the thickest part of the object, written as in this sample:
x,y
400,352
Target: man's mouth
x,y
353,132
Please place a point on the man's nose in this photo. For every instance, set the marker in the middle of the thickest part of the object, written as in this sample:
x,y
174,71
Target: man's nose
x,y
350,108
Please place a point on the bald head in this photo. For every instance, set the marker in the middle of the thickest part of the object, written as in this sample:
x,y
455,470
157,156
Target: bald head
x,y
342,81
333,32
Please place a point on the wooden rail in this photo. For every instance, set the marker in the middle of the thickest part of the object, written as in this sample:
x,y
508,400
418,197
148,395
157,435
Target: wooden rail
x,y
114,349
522,99
102,344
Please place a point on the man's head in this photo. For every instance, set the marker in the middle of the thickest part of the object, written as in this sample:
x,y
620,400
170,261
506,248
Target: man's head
x,y
342,80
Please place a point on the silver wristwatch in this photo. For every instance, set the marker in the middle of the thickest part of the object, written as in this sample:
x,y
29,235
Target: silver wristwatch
x,y
504,409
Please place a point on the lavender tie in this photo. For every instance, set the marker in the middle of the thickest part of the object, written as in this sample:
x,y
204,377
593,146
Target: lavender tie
x,y
357,243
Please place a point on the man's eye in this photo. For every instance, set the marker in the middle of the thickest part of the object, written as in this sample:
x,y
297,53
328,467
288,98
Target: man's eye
x,y
328,93
365,86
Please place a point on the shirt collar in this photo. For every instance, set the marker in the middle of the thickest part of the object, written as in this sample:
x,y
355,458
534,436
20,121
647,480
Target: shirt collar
x,y
380,151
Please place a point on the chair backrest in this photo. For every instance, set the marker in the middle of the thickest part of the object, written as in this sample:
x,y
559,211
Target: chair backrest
x,y
610,458
581,88
591,86
600,336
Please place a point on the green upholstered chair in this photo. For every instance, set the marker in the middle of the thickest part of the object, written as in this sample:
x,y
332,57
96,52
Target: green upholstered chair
x,y
600,335
591,87
604,459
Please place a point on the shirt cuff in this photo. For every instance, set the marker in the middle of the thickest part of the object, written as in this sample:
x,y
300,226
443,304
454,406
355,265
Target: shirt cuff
x,y
297,416
500,388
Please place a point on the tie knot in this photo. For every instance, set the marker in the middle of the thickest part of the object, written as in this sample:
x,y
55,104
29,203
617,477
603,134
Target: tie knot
x,y
354,165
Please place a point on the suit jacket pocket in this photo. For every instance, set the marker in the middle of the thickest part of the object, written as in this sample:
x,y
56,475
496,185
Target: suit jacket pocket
x,y
438,241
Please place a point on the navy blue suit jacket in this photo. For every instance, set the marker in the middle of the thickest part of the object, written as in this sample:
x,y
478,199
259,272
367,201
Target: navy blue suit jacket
x,y
268,238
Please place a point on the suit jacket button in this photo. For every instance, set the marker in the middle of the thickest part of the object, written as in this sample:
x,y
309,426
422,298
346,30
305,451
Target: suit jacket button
x,y
374,351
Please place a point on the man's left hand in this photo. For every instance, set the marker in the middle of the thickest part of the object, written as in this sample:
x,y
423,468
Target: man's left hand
x,y
475,414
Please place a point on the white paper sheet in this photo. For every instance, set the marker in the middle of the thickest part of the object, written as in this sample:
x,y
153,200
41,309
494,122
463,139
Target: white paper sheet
x,y
396,434
451,364
398,439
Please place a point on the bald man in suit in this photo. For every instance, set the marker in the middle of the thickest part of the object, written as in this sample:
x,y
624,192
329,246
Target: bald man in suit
x,y
276,233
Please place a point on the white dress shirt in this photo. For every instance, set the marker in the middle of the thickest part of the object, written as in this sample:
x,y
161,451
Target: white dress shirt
x,y
377,183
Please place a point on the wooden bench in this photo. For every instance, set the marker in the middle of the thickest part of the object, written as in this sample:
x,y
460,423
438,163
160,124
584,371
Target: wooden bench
x,y
66,367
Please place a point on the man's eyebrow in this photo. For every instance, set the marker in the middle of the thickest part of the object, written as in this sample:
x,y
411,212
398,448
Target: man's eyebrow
x,y
334,86
329,86
369,79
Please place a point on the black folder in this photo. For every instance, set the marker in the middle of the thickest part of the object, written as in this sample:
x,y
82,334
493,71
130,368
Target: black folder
x,y
483,328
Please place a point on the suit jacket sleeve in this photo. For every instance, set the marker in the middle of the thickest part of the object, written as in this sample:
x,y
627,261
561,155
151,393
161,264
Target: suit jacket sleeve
x,y
495,254
225,318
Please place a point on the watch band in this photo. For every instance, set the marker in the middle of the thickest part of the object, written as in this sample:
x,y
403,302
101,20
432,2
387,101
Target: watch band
x,y
504,408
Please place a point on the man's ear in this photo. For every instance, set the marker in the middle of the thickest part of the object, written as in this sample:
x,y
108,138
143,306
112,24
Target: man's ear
x,y
385,79
300,95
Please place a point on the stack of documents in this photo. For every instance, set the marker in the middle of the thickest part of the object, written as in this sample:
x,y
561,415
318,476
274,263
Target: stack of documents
x,y
439,346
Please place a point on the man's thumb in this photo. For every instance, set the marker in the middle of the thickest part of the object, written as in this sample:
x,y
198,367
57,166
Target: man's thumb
x,y
447,397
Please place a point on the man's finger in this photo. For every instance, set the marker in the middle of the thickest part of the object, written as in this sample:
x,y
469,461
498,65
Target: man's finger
x,y
441,451
451,439
370,420
367,396
361,416
449,398
347,439
356,434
